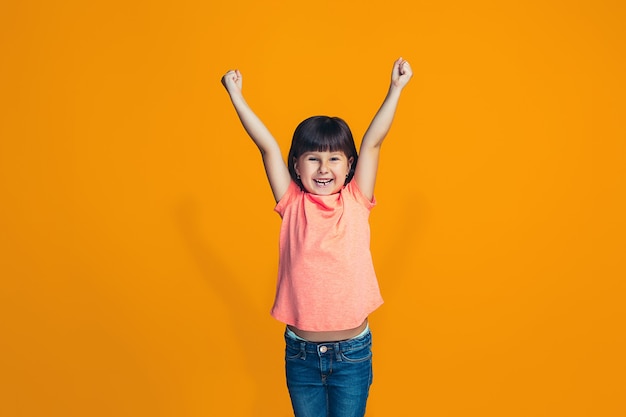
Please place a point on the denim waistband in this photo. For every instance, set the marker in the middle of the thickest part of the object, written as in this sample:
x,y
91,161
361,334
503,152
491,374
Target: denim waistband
x,y
363,339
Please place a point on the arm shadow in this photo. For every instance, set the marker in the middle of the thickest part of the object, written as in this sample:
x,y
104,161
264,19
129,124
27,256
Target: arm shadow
x,y
263,354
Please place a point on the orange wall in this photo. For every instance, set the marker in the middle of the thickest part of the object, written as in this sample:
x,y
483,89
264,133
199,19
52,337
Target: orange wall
x,y
137,280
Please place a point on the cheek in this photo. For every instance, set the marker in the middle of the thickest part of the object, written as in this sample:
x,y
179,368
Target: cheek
x,y
304,168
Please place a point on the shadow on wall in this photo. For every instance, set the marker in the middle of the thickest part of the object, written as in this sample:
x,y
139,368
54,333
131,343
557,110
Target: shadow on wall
x,y
264,358
404,230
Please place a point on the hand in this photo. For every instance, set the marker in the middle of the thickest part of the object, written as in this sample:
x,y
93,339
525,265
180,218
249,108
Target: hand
x,y
232,81
401,73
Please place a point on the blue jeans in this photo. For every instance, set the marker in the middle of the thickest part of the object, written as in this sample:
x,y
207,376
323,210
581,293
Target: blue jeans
x,y
330,379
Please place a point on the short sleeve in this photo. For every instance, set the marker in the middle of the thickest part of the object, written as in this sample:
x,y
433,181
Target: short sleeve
x,y
292,191
354,190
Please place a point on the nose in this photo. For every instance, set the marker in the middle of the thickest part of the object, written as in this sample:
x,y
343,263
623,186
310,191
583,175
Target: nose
x,y
323,169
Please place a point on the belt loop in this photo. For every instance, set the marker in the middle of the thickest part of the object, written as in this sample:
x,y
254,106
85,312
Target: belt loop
x,y
303,350
337,352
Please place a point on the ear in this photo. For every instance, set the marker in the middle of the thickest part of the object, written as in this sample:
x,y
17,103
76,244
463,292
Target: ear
x,y
295,165
350,161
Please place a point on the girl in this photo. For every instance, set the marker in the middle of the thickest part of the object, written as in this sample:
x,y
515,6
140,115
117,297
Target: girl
x,y
326,282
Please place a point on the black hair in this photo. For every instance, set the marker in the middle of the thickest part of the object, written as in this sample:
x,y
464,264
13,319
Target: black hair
x,y
321,134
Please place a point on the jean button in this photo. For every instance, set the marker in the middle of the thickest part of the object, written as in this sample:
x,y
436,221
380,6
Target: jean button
x,y
323,349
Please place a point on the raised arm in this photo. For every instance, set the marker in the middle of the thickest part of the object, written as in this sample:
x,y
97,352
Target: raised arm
x,y
275,168
367,165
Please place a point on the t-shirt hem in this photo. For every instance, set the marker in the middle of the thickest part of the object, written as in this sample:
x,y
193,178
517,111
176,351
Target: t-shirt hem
x,y
316,327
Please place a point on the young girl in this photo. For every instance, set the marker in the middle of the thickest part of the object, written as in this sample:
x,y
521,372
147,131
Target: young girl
x,y
326,282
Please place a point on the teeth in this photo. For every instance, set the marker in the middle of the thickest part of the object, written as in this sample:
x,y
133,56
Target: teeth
x,y
323,182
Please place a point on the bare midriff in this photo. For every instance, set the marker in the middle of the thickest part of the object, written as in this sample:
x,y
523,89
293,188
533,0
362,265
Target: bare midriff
x,y
333,336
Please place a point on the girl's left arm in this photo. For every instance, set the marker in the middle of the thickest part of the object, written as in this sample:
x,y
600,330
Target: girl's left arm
x,y
367,165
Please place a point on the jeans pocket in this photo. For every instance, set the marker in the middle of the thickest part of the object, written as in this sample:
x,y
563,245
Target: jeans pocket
x,y
360,354
292,352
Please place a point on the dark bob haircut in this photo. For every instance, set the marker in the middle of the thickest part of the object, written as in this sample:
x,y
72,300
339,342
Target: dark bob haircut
x,y
322,134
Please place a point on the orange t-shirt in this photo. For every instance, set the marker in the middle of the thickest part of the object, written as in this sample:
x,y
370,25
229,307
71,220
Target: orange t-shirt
x,y
326,278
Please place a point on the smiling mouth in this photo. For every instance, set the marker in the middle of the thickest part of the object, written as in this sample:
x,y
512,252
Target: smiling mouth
x,y
323,183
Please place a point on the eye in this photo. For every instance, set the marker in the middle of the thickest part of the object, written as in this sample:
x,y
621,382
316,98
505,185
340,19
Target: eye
x,y
312,158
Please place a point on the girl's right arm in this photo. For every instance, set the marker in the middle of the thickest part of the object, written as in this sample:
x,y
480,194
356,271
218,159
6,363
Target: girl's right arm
x,y
275,168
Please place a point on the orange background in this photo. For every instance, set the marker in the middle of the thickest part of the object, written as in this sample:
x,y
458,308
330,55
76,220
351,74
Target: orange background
x,y
137,277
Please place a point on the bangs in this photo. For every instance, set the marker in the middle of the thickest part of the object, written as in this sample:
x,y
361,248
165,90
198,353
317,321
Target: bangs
x,y
329,138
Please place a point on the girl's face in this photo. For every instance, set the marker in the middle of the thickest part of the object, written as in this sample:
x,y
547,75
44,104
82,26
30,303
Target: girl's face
x,y
323,173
